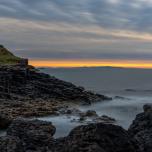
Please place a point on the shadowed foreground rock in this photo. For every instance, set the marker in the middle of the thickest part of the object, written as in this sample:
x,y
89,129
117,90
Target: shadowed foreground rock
x,y
4,121
141,129
99,138
37,136
32,131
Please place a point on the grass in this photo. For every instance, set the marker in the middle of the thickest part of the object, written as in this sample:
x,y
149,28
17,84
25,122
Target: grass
x,y
7,57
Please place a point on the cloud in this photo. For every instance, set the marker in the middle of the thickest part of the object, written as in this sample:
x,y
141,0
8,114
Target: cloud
x,y
77,29
117,14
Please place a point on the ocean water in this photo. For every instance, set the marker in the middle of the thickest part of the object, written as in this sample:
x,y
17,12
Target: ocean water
x,y
133,86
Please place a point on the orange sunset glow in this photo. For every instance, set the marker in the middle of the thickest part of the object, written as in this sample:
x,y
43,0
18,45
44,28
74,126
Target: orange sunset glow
x,y
92,63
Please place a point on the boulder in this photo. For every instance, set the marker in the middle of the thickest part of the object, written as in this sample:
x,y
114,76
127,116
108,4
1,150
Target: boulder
x,y
105,119
32,132
97,138
141,129
10,144
37,136
89,113
147,108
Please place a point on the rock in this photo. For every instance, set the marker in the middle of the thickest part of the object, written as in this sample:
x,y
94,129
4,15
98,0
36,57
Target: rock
x,y
89,113
5,121
24,81
105,119
37,136
27,136
121,98
26,92
10,144
97,138
141,129
147,108
81,119
69,111
32,132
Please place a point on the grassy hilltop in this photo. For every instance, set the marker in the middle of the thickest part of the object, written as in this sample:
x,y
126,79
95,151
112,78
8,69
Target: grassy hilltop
x,y
6,57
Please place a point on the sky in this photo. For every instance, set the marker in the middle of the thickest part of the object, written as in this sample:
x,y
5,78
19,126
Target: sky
x,y
69,31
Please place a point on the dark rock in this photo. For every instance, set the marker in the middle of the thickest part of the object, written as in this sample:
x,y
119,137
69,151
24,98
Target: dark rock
x,y
4,121
141,129
10,144
97,138
18,81
69,111
147,108
36,136
89,113
105,119
32,133
121,98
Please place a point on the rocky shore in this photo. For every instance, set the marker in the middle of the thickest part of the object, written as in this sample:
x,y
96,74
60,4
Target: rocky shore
x,y
25,135
26,92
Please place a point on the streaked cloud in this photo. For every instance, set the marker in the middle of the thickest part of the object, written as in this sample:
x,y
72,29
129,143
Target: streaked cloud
x,y
113,29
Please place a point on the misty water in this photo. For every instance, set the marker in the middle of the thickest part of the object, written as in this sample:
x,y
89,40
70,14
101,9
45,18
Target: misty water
x,y
134,85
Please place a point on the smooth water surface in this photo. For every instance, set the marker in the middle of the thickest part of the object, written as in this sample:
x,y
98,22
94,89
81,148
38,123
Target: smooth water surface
x,y
133,85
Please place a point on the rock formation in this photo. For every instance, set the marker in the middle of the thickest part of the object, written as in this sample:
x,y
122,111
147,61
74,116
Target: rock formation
x,y
141,129
16,81
26,92
37,136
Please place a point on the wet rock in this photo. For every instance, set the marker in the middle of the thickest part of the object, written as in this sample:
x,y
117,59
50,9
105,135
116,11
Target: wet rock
x,y
32,132
82,119
10,144
69,111
5,121
147,108
26,92
30,83
97,138
105,119
121,98
141,129
37,136
89,113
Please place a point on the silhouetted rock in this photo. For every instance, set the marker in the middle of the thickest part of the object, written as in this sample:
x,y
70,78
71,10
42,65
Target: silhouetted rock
x,y
33,134
89,113
105,119
31,130
4,121
37,136
10,144
141,129
26,92
24,81
99,138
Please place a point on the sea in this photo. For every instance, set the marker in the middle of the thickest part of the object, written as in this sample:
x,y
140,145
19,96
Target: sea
x,y
129,88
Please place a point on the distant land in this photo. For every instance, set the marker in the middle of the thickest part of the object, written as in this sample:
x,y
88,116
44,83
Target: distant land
x,y
72,63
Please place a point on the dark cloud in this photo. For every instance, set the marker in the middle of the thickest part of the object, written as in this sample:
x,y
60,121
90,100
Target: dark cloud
x,y
130,14
77,28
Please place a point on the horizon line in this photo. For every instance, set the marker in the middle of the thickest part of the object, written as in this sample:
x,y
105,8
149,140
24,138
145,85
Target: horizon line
x,y
77,63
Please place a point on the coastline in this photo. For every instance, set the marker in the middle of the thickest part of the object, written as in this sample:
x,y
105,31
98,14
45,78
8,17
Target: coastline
x,y
34,94
26,92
